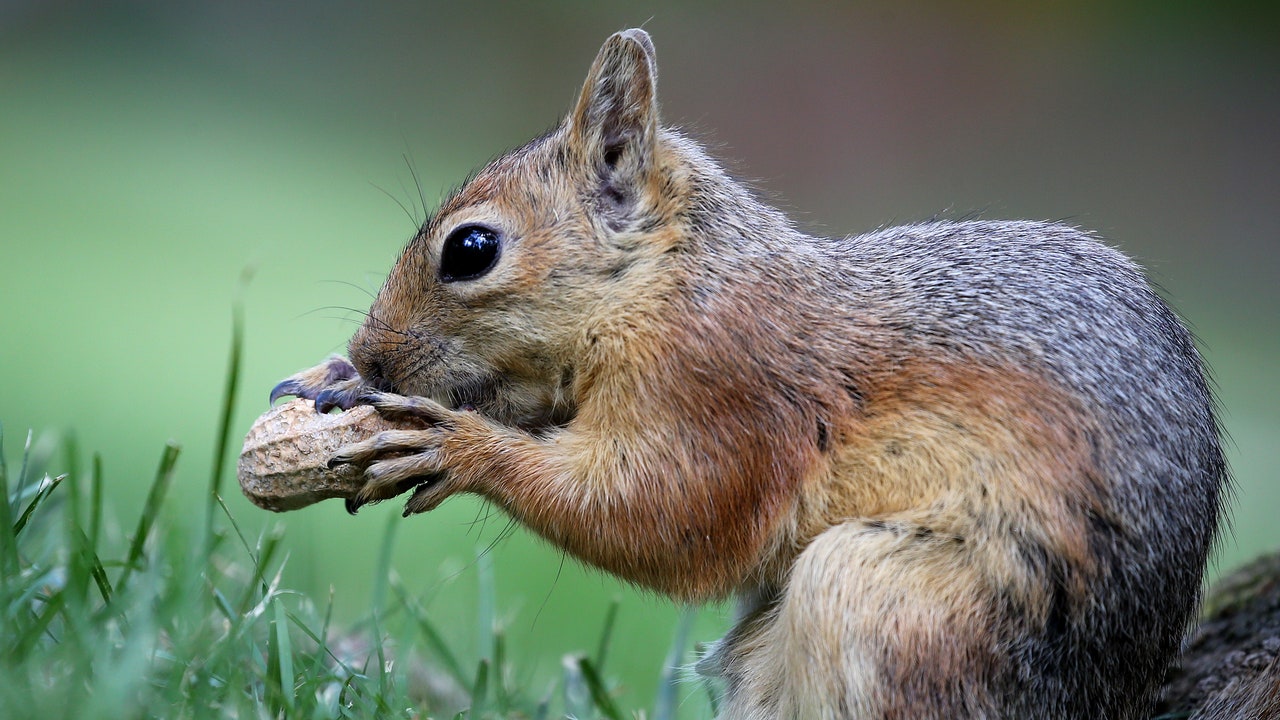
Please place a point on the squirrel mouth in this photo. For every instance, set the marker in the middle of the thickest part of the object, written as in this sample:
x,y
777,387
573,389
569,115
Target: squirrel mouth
x,y
475,394
495,396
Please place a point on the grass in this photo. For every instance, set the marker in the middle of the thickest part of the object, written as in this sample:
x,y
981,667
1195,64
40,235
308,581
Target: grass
x,y
176,621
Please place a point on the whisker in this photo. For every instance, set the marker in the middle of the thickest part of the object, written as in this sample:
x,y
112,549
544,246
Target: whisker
x,y
412,217
503,535
327,308
368,315
416,181
377,321
342,318
344,308
372,295
418,366
563,554
383,324
479,517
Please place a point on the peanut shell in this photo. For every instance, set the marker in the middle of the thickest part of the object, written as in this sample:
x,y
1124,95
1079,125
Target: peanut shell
x,y
283,464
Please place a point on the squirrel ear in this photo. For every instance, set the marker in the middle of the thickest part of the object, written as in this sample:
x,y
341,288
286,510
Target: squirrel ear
x,y
615,122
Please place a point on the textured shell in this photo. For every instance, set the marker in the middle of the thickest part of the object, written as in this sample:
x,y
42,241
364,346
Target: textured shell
x,y
283,463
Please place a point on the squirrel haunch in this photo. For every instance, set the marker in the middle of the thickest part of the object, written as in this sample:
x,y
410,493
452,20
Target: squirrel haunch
x,y
953,469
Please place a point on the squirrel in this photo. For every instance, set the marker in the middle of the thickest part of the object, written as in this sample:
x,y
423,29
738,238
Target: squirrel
x,y
953,469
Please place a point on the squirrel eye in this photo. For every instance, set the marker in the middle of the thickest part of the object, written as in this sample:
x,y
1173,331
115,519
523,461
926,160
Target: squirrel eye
x,y
469,252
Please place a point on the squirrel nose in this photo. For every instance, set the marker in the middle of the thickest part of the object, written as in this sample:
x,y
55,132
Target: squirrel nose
x,y
375,377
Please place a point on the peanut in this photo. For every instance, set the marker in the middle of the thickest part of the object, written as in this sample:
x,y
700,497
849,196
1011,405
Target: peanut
x,y
283,465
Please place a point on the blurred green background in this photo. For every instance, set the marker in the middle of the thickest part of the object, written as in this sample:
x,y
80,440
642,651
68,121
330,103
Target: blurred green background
x,y
153,153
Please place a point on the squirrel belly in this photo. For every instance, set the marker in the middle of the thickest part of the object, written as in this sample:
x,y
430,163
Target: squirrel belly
x,y
952,469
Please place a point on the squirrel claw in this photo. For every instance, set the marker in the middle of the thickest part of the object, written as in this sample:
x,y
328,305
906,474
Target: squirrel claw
x,y
426,497
313,382
393,462
389,478
374,493
285,388
342,395
406,407
384,444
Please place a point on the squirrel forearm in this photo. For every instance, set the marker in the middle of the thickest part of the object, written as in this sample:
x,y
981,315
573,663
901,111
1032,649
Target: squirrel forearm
x,y
606,502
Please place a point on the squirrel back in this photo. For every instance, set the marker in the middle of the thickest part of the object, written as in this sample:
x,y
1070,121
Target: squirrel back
x,y
951,469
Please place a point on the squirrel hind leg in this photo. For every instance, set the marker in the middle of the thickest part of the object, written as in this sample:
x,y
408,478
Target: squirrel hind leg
x,y
877,621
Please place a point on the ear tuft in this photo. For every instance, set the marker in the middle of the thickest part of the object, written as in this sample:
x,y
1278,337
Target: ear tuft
x,y
616,117
641,38
614,127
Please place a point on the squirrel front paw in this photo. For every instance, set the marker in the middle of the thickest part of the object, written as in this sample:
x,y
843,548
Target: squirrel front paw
x,y
333,383
394,461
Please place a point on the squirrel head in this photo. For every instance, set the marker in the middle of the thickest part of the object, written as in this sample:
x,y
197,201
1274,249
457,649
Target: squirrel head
x,y
491,303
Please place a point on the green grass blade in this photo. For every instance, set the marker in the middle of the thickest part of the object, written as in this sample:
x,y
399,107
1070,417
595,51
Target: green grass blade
x,y
577,696
235,526
280,627
543,709
95,501
53,606
40,497
487,614
599,694
223,605
222,443
320,639
150,512
83,565
95,568
79,572
274,685
98,572
664,707
500,692
71,461
381,579
9,563
439,648
26,464
36,455
322,644
479,689
606,635
266,553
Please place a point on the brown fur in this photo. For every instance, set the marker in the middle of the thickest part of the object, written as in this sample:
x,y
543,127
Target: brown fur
x,y
1256,697
893,449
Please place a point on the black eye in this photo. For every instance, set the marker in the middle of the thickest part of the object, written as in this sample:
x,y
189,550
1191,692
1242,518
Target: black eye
x,y
469,252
